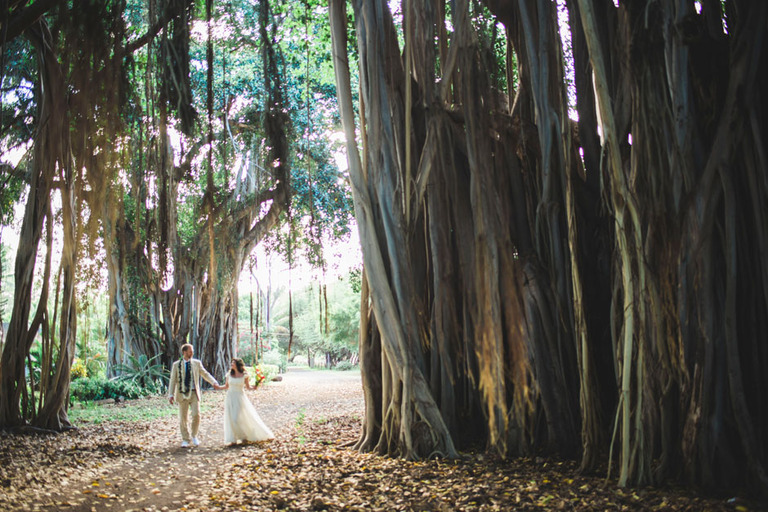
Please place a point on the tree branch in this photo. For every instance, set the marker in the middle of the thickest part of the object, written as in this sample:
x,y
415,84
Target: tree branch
x,y
14,26
166,18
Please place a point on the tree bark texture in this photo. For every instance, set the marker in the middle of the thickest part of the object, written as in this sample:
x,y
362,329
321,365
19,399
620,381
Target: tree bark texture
x,y
596,288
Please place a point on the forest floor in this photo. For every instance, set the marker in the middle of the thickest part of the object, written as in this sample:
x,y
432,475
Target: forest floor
x,y
125,465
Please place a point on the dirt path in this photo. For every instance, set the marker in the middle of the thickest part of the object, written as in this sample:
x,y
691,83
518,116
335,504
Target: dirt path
x,y
153,472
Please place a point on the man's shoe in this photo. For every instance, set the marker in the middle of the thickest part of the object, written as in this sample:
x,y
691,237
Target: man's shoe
x,y
185,444
195,441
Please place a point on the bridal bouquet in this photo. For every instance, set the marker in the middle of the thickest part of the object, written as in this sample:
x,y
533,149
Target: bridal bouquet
x,y
258,377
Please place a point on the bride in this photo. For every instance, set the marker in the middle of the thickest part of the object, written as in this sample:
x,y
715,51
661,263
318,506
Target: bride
x,y
241,421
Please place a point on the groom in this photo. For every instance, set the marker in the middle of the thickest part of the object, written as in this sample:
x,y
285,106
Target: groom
x,y
184,387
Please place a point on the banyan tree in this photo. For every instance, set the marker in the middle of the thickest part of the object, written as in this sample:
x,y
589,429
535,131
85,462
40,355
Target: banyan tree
x,y
73,109
593,285
175,253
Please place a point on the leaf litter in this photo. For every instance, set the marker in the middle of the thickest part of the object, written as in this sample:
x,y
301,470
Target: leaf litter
x,y
139,466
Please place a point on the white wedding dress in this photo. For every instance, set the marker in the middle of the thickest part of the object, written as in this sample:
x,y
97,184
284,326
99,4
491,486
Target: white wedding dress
x,y
241,421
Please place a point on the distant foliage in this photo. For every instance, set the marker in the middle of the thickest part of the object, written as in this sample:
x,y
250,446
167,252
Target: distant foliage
x,y
87,389
276,358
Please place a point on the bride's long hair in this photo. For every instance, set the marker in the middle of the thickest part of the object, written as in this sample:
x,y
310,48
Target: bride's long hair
x,y
239,364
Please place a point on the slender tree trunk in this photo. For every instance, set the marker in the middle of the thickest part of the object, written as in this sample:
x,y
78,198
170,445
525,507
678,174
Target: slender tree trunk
x,y
53,414
49,146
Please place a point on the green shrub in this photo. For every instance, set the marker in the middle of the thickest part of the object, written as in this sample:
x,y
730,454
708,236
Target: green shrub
x,y
144,373
277,358
344,366
127,389
79,370
95,388
85,388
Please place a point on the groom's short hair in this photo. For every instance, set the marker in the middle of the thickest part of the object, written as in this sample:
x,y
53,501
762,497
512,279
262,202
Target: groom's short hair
x,y
185,347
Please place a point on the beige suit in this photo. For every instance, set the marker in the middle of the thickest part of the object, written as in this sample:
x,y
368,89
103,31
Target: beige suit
x,y
189,400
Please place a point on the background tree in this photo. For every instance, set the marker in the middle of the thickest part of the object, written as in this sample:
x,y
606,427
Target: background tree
x,y
241,188
184,272
326,322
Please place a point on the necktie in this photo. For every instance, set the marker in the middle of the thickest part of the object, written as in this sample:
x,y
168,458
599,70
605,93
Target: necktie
x,y
187,376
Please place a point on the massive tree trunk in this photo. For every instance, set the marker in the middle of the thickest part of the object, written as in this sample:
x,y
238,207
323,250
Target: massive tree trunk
x,y
411,424
599,283
488,328
685,222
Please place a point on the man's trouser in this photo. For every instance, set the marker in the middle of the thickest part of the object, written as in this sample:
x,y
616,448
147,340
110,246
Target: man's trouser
x,y
187,405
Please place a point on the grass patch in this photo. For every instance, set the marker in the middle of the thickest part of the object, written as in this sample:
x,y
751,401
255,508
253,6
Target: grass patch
x,y
300,426
143,409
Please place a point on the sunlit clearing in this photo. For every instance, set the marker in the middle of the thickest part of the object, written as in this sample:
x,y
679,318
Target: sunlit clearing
x,y
272,269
